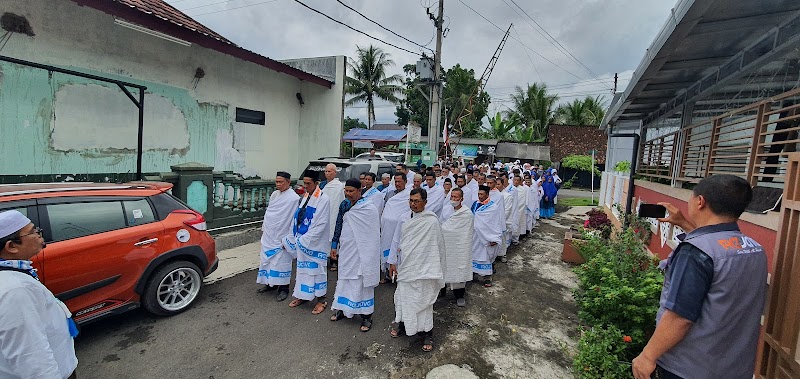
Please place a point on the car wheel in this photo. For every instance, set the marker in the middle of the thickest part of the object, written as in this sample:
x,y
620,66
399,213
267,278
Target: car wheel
x,y
172,289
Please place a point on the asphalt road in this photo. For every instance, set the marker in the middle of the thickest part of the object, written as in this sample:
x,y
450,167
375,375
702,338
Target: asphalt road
x,y
234,332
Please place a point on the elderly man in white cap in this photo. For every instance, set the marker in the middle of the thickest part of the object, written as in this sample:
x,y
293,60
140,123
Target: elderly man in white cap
x,y
36,328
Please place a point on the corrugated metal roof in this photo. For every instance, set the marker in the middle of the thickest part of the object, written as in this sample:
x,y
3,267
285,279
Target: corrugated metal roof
x,y
167,12
699,37
358,134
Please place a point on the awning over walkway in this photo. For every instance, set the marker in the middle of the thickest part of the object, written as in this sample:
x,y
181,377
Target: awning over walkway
x,y
358,134
712,56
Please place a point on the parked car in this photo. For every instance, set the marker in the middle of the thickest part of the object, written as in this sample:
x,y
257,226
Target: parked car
x,y
386,155
114,247
351,167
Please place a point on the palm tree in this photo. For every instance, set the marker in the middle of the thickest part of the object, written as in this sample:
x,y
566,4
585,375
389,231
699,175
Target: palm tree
x,y
595,109
571,113
534,107
368,80
586,112
502,128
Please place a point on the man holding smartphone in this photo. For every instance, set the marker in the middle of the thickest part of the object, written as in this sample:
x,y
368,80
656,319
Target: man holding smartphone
x,y
714,291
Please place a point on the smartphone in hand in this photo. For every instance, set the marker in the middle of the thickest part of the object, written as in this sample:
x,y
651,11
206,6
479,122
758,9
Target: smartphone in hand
x,y
652,210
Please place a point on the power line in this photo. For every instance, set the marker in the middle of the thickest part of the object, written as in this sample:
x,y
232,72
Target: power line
x,y
232,9
520,42
530,59
354,29
382,27
552,40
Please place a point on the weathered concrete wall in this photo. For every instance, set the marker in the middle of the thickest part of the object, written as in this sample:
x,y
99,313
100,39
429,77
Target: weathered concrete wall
x,y
64,124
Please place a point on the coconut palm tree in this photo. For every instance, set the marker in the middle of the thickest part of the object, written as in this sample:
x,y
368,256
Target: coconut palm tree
x,y
534,107
368,80
586,112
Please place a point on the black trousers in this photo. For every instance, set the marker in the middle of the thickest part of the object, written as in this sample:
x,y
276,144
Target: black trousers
x,y
661,373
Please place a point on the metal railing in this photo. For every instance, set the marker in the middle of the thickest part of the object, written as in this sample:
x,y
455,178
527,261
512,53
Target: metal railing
x,y
751,142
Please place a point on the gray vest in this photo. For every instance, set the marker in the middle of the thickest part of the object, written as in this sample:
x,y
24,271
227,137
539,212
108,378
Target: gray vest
x,y
723,341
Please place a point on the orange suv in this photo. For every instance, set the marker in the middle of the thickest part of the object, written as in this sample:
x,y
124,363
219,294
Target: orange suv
x,y
114,247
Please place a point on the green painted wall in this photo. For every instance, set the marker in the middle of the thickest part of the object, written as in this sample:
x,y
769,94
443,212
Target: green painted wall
x,y
27,119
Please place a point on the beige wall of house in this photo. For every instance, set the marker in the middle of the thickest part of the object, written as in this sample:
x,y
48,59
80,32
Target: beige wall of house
x,y
67,125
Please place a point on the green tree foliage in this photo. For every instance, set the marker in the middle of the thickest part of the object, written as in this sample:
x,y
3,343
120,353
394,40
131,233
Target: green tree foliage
x,y
534,107
369,81
460,83
352,123
624,166
587,112
580,163
500,128
414,107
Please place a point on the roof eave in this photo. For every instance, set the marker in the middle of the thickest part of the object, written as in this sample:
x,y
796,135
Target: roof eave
x,y
134,15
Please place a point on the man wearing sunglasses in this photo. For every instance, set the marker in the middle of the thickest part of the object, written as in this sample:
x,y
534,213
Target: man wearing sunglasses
x,y
36,328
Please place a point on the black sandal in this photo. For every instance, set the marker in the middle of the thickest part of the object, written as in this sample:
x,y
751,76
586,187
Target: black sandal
x,y
427,341
395,331
366,323
487,283
338,316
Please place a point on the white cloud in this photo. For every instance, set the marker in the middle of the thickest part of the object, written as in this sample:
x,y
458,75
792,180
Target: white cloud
x,y
607,36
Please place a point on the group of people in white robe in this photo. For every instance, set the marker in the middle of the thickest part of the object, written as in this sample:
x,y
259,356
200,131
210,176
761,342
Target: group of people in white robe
x,y
438,233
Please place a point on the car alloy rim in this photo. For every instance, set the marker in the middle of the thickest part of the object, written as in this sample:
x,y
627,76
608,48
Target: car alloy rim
x,y
178,289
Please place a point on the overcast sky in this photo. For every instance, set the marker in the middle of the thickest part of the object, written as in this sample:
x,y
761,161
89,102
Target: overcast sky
x,y
608,36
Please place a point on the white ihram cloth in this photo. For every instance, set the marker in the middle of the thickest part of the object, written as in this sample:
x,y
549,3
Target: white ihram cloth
x,y
435,198
531,204
276,263
447,211
520,211
539,195
36,341
470,192
376,197
310,243
335,191
508,207
359,260
489,225
458,230
391,220
420,273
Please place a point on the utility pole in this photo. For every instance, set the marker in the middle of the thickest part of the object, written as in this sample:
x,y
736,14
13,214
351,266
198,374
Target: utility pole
x,y
434,118
616,77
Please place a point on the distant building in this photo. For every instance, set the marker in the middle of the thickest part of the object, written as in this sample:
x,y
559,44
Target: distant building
x,y
207,100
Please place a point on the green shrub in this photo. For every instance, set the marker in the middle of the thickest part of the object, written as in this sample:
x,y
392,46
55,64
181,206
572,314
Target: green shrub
x,y
617,295
624,166
604,353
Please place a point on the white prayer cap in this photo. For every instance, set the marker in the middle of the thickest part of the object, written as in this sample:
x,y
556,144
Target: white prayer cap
x,y
11,222
386,175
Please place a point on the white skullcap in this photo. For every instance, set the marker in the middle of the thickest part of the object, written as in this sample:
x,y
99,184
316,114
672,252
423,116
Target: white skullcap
x,y
386,175
11,222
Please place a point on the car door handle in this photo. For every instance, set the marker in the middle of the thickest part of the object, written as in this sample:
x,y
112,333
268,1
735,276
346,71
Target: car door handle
x,y
146,242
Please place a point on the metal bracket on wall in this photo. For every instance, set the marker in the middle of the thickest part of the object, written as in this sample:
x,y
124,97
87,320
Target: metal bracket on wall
x,y
121,84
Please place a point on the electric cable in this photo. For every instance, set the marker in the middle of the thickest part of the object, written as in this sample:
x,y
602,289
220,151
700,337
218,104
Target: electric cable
x,y
381,26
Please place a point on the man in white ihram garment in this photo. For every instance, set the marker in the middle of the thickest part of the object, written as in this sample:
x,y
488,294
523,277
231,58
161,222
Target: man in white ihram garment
x,y
371,191
36,329
510,206
334,188
457,229
435,193
521,206
310,242
359,259
391,219
417,260
275,270
488,236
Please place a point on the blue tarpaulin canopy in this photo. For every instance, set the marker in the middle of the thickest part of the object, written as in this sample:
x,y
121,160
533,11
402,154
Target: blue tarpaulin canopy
x,y
358,134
